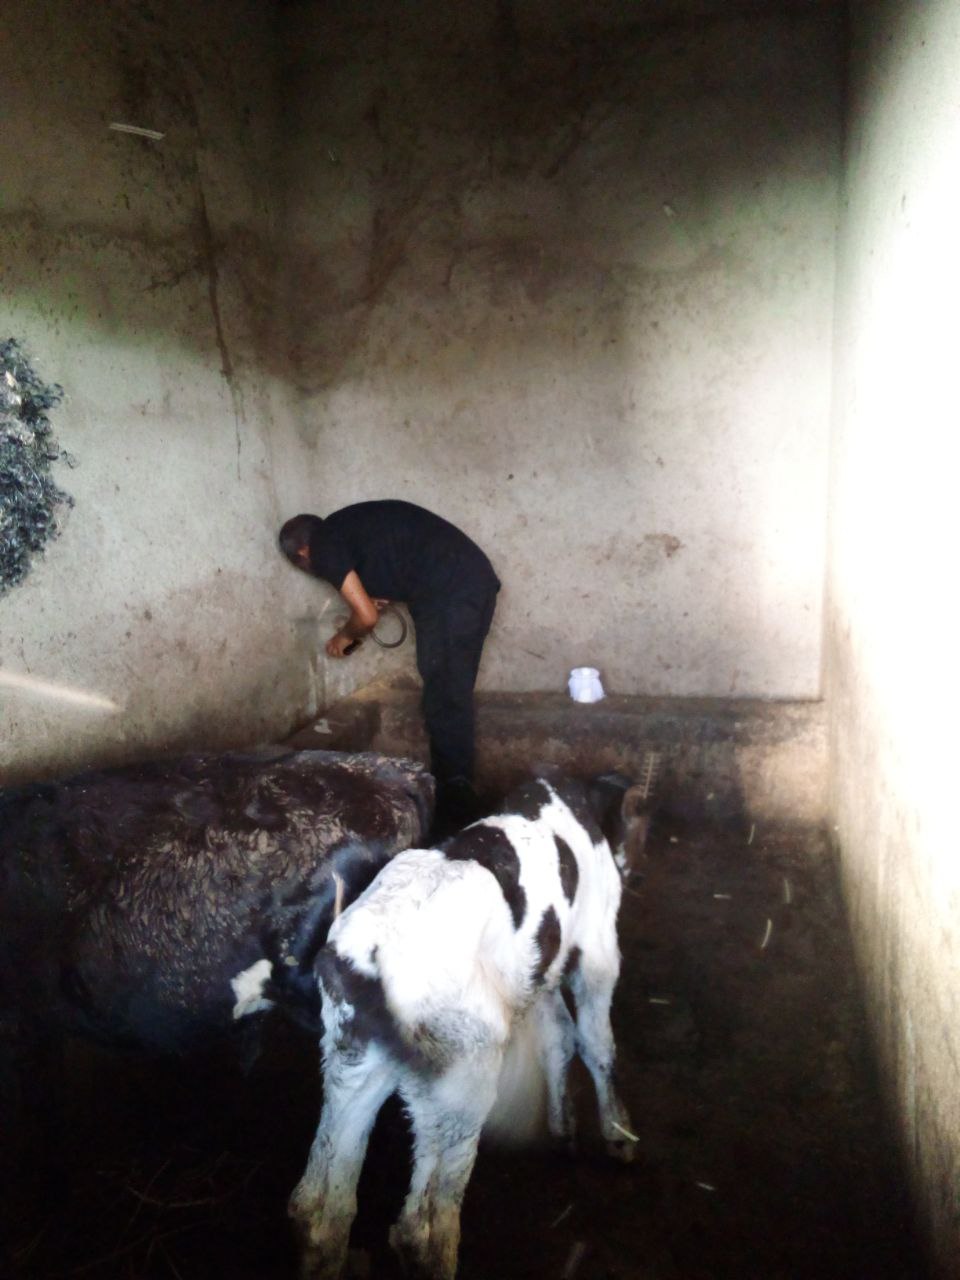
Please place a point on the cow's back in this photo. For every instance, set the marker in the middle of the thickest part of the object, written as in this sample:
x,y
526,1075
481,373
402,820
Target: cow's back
x,y
132,896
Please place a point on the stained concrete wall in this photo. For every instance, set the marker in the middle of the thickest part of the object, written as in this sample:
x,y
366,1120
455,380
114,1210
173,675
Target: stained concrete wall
x,y
563,272
892,635
140,275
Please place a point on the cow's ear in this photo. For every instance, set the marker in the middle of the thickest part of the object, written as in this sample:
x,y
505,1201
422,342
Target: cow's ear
x,y
635,826
422,792
604,796
634,802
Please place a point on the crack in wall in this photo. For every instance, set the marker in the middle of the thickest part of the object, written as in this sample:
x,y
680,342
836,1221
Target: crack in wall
x,y
209,255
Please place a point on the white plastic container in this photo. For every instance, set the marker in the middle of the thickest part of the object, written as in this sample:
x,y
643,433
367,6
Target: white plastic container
x,y
584,684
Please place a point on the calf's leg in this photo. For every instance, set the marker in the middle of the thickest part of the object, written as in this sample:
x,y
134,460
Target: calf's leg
x,y
592,986
447,1115
558,1043
357,1081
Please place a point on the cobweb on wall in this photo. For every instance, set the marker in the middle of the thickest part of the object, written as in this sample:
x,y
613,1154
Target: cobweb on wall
x,y
32,505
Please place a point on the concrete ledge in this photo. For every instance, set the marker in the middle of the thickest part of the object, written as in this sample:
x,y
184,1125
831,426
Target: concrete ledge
x,y
723,760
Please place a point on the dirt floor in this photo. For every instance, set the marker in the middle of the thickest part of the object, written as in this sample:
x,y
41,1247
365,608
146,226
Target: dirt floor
x,y
742,1059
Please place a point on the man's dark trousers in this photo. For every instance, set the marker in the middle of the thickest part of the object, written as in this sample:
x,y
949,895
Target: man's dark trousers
x,y
450,636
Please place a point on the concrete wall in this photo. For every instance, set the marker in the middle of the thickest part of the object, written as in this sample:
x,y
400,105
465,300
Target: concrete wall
x,y
892,637
562,277
140,274
563,272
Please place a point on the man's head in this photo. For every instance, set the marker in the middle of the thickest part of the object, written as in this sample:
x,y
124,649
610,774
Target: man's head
x,y
295,539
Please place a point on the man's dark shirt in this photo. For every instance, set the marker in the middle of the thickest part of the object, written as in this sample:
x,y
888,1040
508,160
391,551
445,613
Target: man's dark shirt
x,y
400,552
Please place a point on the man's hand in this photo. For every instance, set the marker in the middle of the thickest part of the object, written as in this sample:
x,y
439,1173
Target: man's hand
x,y
339,643
364,613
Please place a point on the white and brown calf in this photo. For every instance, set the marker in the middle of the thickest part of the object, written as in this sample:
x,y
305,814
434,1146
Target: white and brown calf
x,y
425,979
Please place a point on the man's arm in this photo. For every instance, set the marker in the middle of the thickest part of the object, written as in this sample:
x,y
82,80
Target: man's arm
x,y
363,616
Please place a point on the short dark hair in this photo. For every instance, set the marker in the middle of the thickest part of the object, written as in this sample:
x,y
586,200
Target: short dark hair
x,y
297,532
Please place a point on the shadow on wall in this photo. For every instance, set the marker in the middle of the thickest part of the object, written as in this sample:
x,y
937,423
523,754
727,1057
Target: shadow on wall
x,y
482,184
513,205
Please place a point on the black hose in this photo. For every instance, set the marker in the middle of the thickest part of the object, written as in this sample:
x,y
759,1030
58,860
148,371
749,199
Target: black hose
x,y
384,644
392,644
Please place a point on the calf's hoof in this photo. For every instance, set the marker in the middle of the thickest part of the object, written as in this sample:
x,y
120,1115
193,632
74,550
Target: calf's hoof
x,y
623,1149
315,1267
621,1141
322,1255
419,1258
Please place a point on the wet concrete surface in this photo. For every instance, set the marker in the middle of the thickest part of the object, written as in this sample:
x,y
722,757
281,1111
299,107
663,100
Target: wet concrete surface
x,y
743,1059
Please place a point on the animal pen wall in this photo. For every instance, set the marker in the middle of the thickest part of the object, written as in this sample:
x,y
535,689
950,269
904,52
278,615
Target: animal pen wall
x,y
653,300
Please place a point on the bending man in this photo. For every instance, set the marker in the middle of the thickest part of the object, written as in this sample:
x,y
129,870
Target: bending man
x,y
376,552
